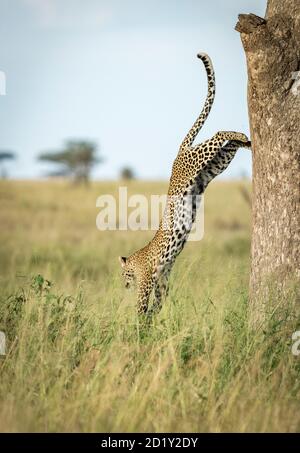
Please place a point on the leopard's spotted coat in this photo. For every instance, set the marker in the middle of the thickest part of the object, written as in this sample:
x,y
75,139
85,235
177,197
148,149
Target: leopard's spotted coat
x,y
193,168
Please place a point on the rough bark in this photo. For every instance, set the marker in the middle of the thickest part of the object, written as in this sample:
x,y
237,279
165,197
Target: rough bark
x,y
272,48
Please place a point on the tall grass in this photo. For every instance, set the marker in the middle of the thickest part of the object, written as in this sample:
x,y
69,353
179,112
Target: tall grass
x,y
77,358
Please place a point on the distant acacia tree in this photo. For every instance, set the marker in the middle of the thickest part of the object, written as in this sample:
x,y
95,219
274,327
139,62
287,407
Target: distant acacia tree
x,y
5,155
74,161
127,173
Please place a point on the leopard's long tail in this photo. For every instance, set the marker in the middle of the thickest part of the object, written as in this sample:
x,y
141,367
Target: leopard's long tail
x,y
190,137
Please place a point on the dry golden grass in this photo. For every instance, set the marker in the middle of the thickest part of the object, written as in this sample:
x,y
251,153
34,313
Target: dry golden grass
x,y
77,359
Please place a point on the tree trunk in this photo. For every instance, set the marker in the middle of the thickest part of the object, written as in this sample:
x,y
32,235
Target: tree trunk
x,y
272,48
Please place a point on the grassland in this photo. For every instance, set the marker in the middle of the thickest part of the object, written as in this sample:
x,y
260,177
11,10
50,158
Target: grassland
x,y
77,358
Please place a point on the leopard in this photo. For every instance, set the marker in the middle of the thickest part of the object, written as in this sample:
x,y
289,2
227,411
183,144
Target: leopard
x,y
195,166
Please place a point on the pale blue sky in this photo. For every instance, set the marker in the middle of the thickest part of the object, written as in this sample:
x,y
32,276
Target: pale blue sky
x,y
122,73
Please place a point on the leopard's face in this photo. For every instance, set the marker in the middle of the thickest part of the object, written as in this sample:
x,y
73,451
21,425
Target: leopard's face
x,y
127,272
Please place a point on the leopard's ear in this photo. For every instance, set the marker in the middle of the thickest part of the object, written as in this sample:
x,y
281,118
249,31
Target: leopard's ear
x,y
122,260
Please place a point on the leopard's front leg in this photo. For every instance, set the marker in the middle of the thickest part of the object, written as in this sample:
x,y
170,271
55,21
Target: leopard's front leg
x,y
161,290
144,289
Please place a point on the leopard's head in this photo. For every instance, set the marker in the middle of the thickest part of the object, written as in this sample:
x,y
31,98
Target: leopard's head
x,y
127,271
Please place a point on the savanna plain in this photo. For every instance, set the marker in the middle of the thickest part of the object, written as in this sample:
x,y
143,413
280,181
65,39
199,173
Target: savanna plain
x,y
77,358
